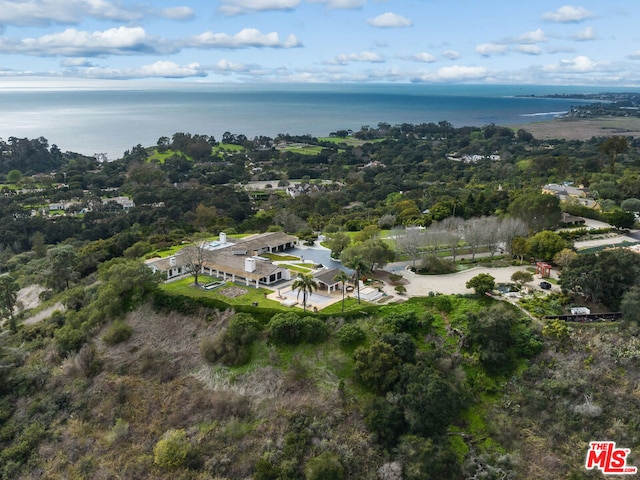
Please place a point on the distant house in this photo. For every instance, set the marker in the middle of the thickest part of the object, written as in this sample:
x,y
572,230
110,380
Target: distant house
x,y
568,219
236,262
125,202
57,207
474,158
567,192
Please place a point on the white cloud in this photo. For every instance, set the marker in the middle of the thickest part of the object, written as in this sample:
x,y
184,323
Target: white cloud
x,y
168,69
536,36
341,4
390,20
134,40
239,7
568,14
49,12
77,43
247,37
488,49
456,73
580,63
160,69
226,66
177,13
587,34
528,49
451,54
76,62
343,59
424,57
635,55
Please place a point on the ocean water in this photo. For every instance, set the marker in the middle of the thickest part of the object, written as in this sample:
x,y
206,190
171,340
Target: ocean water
x,y
110,121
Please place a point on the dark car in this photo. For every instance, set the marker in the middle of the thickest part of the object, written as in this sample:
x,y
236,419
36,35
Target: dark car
x,y
545,285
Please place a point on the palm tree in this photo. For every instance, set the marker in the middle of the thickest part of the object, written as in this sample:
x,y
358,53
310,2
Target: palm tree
x,y
342,277
305,284
359,266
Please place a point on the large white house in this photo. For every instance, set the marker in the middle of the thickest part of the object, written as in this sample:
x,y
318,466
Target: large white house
x,y
237,261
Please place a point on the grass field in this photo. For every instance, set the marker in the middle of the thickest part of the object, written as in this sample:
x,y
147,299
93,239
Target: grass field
x,y
252,295
583,128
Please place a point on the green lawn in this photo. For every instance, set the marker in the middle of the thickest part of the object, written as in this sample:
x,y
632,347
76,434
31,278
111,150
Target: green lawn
x,y
276,257
228,147
349,140
297,268
161,157
303,149
185,287
350,304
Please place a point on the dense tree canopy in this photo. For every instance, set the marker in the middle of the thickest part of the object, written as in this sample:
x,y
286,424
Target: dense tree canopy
x,y
602,277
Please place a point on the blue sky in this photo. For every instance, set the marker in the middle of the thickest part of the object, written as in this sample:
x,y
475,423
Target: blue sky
x,y
255,41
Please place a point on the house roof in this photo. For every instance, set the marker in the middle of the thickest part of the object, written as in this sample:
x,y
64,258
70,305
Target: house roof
x,y
230,259
234,264
258,241
327,276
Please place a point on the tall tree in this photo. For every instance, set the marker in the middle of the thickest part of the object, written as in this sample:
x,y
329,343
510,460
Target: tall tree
x,y
305,284
454,229
342,277
411,242
357,264
603,277
474,234
510,229
195,257
62,267
539,211
8,299
337,242
612,147
545,245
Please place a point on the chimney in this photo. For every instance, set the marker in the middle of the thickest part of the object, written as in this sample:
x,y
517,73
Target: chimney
x,y
223,238
249,265
172,261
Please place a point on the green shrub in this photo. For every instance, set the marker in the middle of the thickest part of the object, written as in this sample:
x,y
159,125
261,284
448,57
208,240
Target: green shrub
x,y
443,303
243,329
220,349
351,335
289,328
394,277
436,266
118,332
400,289
325,466
399,322
69,339
172,450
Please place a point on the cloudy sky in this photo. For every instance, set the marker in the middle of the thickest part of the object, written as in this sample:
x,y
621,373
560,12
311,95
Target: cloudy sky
x,y
434,41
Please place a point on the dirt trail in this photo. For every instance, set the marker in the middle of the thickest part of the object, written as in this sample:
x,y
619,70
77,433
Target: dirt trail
x,y
29,298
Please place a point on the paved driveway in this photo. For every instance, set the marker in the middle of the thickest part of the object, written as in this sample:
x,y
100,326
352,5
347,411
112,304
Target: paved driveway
x,y
454,283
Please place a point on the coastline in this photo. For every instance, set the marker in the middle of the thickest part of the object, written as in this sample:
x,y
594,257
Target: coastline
x,y
582,128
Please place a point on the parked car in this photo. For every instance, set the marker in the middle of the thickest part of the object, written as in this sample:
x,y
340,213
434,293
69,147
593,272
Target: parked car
x,y
545,285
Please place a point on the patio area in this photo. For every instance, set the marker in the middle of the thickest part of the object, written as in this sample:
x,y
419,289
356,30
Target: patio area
x,y
291,298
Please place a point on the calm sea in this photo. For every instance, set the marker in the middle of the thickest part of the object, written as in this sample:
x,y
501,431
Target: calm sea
x,y
112,121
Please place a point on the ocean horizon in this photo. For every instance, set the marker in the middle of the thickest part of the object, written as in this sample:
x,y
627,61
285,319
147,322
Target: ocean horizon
x,y
112,120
